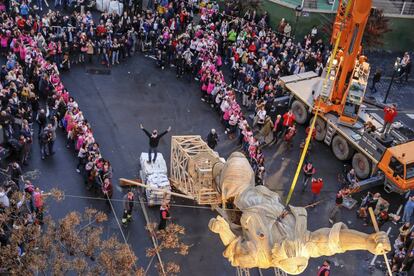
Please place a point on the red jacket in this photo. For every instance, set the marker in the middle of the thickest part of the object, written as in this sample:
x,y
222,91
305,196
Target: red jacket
x,y
252,48
100,30
316,186
389,114
288,119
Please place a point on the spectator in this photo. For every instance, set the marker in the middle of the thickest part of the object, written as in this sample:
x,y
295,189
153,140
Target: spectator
x,y
351,178
408,262
335,212
287,30
38,205
51,132
16,173
277,127
399,255
308,171
45,139
128,200
212,139
369,127
382,205
291,132
408,210
405,230
4,199
314,31
325,269
266,133
398,242
107,189
376,79
164,215
154,139
260,175
41,121
406,65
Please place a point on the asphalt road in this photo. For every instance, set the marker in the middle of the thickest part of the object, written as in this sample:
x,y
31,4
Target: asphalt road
x,y
138,92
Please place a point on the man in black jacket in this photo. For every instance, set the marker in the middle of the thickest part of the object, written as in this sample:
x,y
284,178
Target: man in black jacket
x,y
212,139
154,139
376,79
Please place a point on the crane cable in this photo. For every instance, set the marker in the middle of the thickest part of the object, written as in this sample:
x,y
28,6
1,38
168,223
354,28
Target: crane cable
x,y
312,126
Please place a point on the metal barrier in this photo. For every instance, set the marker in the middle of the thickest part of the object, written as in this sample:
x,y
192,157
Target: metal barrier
x,y
391,8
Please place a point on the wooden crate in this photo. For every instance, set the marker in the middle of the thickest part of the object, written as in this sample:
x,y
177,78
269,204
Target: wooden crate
x,y
192,162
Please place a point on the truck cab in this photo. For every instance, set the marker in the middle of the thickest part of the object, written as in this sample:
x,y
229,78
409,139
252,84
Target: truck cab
x,y
397,164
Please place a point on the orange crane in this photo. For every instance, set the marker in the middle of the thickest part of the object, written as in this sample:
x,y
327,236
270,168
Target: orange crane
x,y
336,98
346,80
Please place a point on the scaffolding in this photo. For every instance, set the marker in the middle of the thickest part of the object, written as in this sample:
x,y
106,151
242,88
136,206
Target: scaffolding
x,y
192,162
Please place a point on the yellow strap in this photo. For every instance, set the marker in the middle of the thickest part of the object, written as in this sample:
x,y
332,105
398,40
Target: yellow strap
x,y
312,127
302,158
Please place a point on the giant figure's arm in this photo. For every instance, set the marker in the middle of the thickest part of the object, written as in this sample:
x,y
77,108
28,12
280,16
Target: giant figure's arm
x,y
338,239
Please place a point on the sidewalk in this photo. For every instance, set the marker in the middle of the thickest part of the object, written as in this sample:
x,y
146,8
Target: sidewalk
x,y
399,93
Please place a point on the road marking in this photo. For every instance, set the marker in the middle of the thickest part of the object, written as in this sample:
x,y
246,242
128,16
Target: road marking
x,y
410,115
375,257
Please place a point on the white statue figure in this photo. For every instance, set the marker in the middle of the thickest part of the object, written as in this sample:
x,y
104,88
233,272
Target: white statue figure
x,y
269,235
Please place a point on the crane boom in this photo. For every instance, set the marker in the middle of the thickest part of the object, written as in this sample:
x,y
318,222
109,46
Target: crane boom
x,y
348,74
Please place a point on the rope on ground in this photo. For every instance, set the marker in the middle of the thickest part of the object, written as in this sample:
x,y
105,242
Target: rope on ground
x,y
119,225
153,238
309,136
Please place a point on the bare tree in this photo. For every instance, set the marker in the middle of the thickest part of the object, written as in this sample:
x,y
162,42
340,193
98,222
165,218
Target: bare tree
x,y
377,26
73,244
242,6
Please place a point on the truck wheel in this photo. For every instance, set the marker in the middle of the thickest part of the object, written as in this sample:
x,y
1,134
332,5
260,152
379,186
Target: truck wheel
x,y
341,148
320,127
300,111
361,165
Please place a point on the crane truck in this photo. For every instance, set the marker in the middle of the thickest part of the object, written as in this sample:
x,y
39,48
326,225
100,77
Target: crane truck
x,y
337,97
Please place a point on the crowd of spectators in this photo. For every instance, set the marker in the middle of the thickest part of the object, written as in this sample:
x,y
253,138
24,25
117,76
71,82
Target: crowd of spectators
x,y
256,54
216,47
32,96
402,257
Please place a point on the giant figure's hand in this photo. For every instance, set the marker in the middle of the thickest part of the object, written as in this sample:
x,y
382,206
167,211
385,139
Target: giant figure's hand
x,y
378,243
220,226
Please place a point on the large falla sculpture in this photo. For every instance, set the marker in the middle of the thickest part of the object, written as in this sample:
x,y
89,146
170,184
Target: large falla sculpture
x,y
264,233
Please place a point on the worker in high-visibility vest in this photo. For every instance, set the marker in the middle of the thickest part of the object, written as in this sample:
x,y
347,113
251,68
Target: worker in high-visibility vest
x,y
128,206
